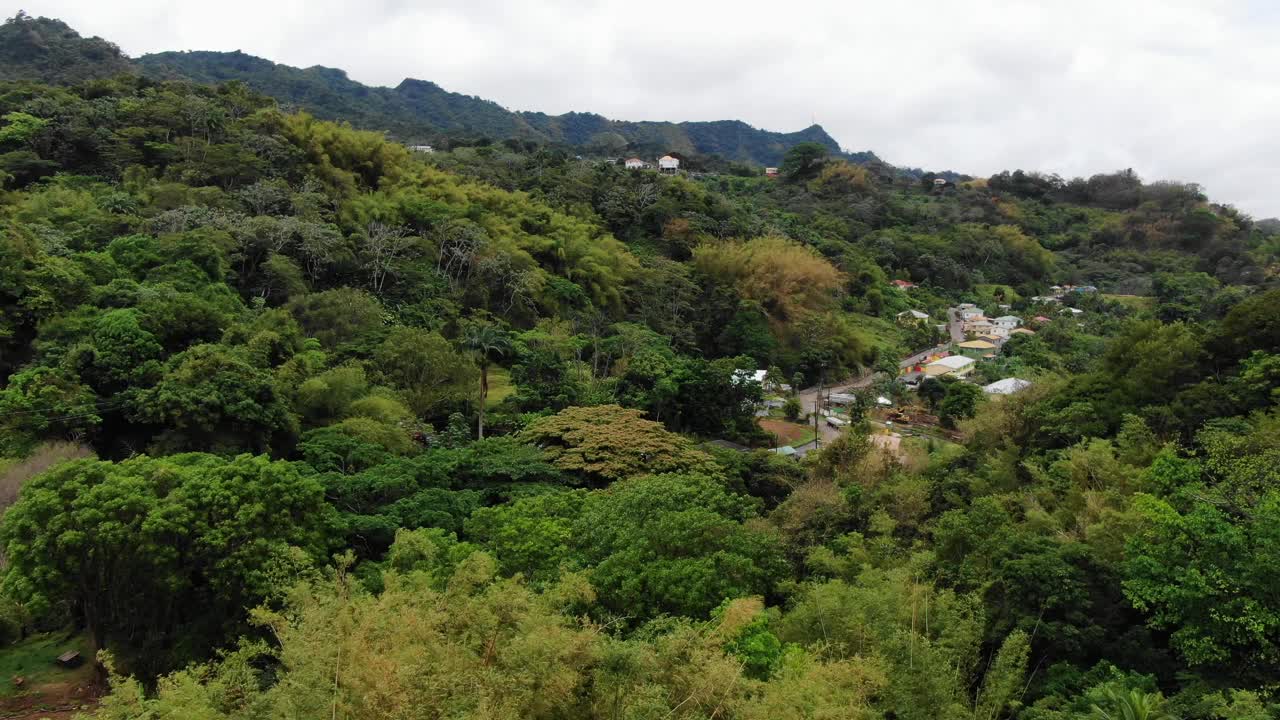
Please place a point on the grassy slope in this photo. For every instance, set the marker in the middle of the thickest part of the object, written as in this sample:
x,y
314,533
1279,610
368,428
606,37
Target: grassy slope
x,y
35,660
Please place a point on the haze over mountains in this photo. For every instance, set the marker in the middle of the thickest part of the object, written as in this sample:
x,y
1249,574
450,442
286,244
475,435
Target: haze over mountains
x,y
415,110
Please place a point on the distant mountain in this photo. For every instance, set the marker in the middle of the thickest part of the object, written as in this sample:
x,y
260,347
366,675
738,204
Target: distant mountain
x,y
414,111
418,109
46,50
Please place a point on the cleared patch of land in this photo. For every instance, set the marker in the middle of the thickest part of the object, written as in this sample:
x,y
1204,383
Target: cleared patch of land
x,y
46,690
500,387
788,433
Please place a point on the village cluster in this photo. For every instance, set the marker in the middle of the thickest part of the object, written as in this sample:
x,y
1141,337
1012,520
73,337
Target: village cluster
x,y
974,337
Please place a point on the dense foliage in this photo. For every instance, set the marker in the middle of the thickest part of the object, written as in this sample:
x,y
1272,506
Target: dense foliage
x,y
307,425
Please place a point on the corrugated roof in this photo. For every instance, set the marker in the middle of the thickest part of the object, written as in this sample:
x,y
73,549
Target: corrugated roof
x,y
955,362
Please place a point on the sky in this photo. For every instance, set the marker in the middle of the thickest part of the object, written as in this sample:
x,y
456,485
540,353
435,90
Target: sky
x,y
1176,89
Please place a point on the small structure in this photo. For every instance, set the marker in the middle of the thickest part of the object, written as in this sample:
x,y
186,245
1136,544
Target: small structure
x,y
635,163
1022,331
1044,299
912,316
970,313
883,401
1042,319
1007,322
976,347
835,422
903,284
1073,311
1007,386
668,164
70,659
978,326
771,172
842,399
939,182
422,148
955,365
785,451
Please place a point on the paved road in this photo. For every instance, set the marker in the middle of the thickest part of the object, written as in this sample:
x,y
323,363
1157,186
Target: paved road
x,y
956,325
809,405
921,356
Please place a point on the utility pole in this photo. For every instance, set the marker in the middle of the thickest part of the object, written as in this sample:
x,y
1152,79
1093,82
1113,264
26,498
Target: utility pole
x,y
817,409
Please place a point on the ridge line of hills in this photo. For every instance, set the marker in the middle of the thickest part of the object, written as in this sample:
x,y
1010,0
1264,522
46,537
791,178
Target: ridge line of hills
x,y
415,111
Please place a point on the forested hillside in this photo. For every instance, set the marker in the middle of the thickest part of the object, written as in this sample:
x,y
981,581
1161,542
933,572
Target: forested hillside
x,y
297,423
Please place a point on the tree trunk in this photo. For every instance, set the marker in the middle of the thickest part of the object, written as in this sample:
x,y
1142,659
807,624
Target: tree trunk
x,y
484,396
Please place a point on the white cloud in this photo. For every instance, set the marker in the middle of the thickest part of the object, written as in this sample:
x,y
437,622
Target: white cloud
x,y
1176,89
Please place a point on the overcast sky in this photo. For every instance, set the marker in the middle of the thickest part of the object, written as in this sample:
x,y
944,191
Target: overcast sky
x,y
1176,89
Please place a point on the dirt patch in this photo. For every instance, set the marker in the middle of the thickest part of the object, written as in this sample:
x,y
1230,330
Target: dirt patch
x,y
786,432
54,701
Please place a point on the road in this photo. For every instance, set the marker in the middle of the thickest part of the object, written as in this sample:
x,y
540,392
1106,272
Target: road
x,y
956,326
809,405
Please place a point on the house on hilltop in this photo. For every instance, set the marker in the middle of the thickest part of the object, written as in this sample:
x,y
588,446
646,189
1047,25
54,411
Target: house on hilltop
x,y
668,164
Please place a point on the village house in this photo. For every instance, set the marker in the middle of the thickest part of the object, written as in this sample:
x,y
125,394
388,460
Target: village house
x,y
976,348
635,163
977,326
903,284
771,172
422,148
954,365
912,316
1008,322
668,164
971,313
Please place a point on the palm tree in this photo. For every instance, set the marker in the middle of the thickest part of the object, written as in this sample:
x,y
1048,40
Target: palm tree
x,y
1132,705
487,341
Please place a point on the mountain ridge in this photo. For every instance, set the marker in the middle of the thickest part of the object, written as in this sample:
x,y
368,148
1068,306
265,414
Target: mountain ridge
x,y
418,109
414,111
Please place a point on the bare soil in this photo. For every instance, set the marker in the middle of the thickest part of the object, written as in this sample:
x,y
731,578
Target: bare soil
x,y
786,432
